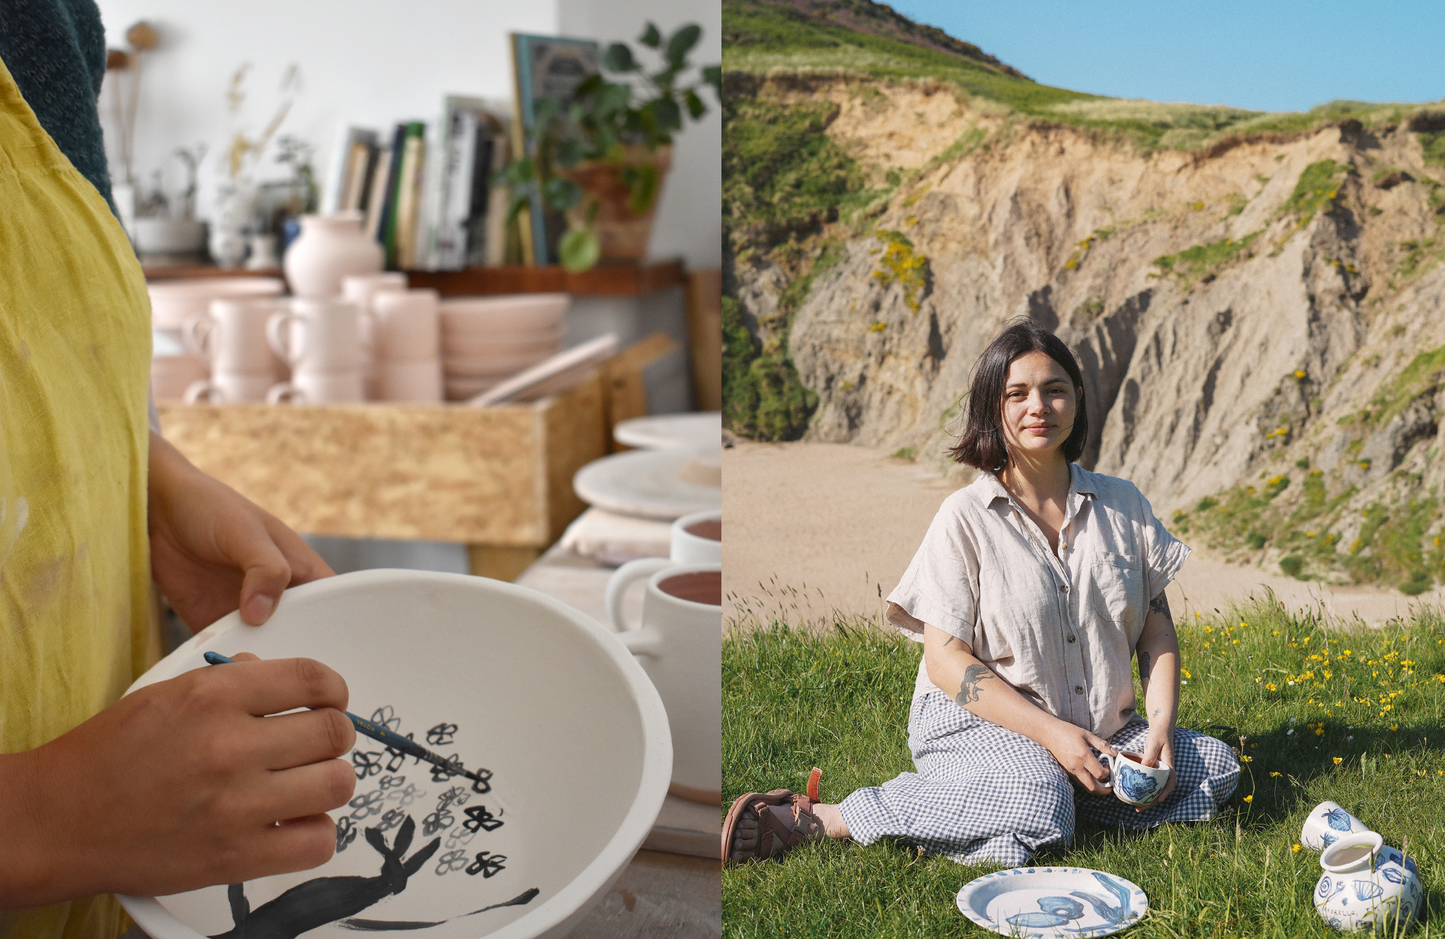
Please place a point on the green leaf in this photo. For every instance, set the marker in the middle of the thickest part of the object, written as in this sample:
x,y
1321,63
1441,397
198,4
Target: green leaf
x,y
613,98
681,42
667,115
650,37
589,85
519,171
562,194
579,250
519,205
544,110
571,152
642,185
712,74
618,58
695,107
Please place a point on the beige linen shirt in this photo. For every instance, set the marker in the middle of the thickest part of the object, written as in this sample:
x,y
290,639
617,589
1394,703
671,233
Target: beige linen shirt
x,y
1061,630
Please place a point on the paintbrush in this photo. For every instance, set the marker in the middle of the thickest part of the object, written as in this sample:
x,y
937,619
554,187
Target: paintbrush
x,y
379,733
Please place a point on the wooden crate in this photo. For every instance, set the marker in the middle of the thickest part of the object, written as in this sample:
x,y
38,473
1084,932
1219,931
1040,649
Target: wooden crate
x,y
497,479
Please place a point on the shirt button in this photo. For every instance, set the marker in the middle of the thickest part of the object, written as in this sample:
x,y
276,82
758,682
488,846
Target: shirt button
x,y
1071,638
1078,689
1066,588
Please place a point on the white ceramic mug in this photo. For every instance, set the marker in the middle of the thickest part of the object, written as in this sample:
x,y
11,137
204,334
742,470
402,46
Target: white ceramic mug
x,y
404,326
697,538
319,387
1326,824
231,388
1132,781
232,335
416,382
679,644
317,335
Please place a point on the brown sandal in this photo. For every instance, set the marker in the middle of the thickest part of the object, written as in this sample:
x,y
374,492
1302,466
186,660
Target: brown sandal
x,y
805,823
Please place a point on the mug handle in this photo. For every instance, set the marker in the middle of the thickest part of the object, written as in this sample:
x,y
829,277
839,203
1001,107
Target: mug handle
x,y
274,335
284,392
617,586
201,391
197,332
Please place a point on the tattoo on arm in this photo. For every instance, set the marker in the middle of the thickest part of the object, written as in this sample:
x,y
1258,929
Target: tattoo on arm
x,y
968,688
1143,665
1160,605
948,641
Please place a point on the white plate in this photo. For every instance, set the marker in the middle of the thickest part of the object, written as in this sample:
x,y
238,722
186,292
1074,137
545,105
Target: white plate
x,y
663,431
498,676
649,483
1048,902
503,313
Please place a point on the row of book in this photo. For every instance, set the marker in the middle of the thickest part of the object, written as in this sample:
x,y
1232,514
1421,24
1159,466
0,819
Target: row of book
x,y
425,190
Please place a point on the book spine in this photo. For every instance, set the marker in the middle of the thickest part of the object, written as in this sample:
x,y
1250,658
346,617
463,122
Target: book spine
x,y
387,223
376,192
408,197
477,208
336,175
451,229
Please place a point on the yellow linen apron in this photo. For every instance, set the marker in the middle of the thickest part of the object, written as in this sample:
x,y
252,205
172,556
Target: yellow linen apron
x,y
75,349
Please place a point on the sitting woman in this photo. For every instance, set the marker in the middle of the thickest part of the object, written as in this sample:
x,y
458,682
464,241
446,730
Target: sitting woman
x,y
1031,592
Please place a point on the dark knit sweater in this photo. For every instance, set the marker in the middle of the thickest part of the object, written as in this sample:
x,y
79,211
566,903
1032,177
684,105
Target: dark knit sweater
x,y
55,50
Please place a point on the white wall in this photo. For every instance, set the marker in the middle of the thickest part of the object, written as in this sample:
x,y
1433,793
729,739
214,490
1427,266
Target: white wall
x,y
373,63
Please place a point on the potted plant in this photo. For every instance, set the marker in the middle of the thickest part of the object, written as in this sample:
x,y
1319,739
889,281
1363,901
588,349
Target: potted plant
x,y
601,160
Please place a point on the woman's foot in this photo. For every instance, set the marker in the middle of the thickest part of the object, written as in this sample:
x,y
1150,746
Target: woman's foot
x,y
762,825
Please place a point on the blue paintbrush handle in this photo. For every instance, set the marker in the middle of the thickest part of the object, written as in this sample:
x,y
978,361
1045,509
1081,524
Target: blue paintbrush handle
x,y
376,731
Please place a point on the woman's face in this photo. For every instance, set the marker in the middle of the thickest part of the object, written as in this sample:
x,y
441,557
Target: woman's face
x,y
1039,403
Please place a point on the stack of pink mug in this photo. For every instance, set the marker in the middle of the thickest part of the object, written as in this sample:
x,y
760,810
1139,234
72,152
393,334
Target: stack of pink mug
x,y
232,338
321,340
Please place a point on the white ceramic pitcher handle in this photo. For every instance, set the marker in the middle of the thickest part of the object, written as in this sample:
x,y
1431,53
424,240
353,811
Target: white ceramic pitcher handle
x,y
617,586
274,324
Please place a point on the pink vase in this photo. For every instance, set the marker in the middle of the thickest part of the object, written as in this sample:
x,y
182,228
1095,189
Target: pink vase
x,y
329,248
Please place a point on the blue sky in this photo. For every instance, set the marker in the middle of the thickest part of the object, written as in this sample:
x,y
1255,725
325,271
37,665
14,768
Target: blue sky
x,y
1267,55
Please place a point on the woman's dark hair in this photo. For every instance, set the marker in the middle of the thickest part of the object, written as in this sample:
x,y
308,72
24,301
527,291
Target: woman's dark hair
x,y
983,445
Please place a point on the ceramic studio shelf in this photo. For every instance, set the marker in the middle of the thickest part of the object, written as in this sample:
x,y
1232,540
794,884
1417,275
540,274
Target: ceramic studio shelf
x,y
605,280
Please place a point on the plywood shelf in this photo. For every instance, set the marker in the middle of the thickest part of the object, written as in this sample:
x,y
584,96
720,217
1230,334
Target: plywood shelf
x,y
498,479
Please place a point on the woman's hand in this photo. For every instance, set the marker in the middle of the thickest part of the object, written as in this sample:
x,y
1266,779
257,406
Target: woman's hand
x,y
1074,748
214,551
1158,745
202,779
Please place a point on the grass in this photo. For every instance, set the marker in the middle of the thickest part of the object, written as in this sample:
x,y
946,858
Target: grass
x,y
1202,262
1343,715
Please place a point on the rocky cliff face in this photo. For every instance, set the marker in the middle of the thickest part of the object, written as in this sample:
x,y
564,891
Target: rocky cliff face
x,y
1259,322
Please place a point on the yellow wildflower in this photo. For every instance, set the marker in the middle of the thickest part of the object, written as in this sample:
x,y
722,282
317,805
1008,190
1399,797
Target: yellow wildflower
x,y
1295,849
1338,761
1249,798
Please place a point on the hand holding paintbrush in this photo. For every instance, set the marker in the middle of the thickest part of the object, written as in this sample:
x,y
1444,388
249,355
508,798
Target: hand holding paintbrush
x,y
379,733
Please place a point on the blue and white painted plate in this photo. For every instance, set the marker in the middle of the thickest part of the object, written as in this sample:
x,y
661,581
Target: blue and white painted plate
x,y
1048,902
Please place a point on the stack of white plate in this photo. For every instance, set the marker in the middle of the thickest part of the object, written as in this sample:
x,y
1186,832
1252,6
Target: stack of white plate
x,y
486,340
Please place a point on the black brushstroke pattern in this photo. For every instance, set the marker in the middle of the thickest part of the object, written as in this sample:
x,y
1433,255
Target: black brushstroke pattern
x,y
381,925
327,899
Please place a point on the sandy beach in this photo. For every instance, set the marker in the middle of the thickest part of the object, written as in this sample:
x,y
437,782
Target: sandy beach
x,y
815,530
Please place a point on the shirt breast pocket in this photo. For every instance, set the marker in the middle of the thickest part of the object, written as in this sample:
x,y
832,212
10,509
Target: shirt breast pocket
x,y
1119,590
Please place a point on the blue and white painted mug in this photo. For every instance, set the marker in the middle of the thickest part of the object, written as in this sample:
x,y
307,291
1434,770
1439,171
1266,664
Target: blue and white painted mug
x,y
1132,781
1326,824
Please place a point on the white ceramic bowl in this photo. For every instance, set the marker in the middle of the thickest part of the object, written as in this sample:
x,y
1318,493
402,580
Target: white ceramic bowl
x,y
491,366
494,315
545,340
567,722
173,302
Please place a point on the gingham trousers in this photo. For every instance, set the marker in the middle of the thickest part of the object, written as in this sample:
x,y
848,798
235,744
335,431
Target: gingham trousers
x,y
986,794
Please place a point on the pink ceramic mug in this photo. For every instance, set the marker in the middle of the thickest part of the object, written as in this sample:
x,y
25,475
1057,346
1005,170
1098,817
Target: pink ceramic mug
x,y
232,335
319,387
317,335
404,326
